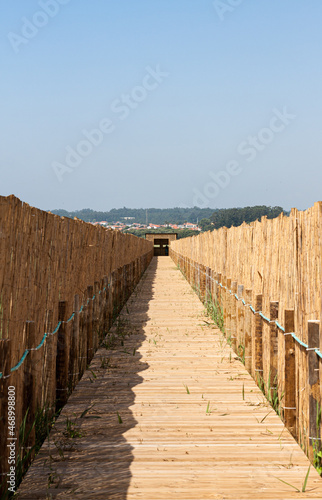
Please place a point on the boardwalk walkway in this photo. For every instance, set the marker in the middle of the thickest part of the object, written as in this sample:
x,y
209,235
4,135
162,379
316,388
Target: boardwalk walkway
x,y
179,417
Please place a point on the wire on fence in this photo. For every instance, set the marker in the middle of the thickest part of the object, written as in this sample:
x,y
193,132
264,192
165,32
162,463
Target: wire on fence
x,y
299,341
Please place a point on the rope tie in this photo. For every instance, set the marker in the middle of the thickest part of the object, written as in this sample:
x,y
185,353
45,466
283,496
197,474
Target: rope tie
x,y
25,354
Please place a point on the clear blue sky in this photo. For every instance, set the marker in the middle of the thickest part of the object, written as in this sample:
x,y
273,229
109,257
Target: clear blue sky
x,y
234,118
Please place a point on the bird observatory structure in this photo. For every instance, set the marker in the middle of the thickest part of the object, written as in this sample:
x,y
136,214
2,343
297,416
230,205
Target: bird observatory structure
x,y
161,242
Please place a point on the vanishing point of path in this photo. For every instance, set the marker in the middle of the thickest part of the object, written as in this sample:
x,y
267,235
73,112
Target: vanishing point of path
x,y
167,418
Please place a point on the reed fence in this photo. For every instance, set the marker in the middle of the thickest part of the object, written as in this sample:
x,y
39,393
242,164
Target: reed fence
x,y
265,279
62,283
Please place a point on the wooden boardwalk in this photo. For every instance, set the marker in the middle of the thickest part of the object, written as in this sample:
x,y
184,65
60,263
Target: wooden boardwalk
x,y
179,417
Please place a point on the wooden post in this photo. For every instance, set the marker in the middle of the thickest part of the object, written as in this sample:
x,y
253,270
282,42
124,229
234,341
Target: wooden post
x,y
233,317
96,322
203,284
5,366
83,336
289,373
241,323
228,309
74,346
273,346
62,361
219,296
248,332
208,284
105,326
89,323
50,357
110,303
29,405
314,386
257,341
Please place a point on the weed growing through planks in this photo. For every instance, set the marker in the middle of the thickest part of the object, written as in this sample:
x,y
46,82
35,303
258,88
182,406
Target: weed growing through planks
x,y
72,430
215,311
271,392
209,410
304,483
119,418
241,353
105,362
187,388
316,443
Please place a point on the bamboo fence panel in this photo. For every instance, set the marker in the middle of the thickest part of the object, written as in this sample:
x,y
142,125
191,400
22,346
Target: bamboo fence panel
x,y
47,265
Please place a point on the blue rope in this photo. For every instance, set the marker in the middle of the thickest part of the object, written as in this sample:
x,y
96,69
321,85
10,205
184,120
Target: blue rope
x,y
25,354
42,342
264,317
267,319
299,341
56,329
279,326
318,353
69,319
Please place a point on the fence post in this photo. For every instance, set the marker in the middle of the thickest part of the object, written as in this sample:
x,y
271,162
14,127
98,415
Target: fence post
x,y
96,316
110,298
208,284
289,373
233,317
89,324
248,332
314,386
257,341
241,324
29,386
219,295
83,336
62,363
74,346
104,306
50,362
228,309
273,346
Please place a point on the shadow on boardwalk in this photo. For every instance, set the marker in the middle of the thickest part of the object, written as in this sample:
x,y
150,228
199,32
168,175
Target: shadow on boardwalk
x,y
89,457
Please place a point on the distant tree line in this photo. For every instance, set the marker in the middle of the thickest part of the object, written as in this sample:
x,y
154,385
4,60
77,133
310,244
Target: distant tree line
x,y
228,217
182,233
155,215
208,219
